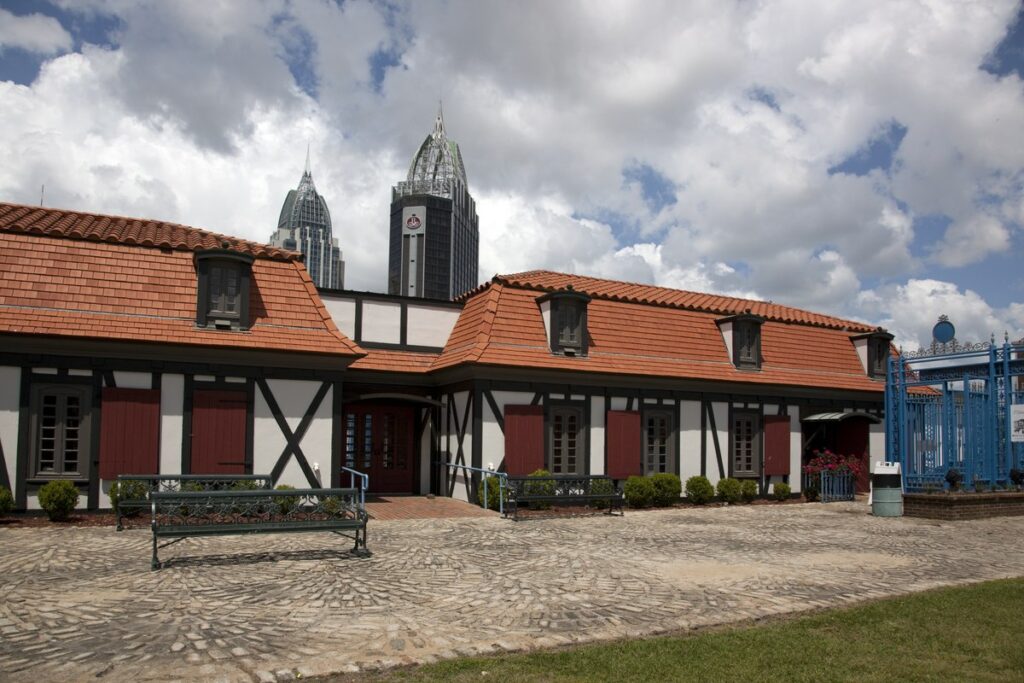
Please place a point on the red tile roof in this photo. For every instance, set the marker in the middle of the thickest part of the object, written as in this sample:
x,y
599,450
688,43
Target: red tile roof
x,y
655,332
612,290
35,220
59,280
389,360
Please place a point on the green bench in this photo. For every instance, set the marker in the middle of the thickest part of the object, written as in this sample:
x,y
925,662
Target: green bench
x,y
183,514
134,490
597,491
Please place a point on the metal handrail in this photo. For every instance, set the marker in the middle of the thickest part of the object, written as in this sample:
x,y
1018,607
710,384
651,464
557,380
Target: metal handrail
x,y
502,482
363,486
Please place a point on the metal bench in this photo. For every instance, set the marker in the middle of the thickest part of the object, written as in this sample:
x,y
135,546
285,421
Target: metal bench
x,y
154,483
599,491
182,514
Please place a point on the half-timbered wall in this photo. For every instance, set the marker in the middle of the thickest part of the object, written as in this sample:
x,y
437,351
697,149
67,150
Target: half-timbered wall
x,y
10,381
293,431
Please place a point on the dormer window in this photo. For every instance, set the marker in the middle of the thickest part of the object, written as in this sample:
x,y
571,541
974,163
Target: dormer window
x,y
873,349
223,289
878,354
565,314
742,334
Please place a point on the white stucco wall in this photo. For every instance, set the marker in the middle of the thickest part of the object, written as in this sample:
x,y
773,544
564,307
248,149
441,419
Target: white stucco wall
x,y
861,345
172,403
597,434
10,388
133,380
689,439
726,330
876,445
796,436
721,412
343,312
429,325
382,322
293,397
460,490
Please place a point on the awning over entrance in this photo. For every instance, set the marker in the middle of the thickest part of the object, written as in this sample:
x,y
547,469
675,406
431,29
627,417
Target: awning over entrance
x,y
839,417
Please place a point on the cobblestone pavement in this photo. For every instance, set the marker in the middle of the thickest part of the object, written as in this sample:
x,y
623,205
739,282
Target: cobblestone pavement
x,y
82,603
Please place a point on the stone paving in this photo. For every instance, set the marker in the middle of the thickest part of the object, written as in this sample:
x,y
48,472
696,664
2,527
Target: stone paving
x,y
82,603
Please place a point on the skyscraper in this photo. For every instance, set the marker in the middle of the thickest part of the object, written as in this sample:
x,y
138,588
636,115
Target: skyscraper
x,y
305,225
434,248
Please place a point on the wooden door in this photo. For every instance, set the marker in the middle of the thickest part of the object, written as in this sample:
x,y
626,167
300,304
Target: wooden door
x,y
379,442
218,431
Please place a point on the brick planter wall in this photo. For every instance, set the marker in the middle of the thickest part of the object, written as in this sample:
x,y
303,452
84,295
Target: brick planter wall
x,y
954,506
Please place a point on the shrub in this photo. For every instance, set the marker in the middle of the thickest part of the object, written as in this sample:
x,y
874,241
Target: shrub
x,y
729,490
128,490
599,486
699,490
781,491
1017,476
811,493
979,485
494,492
667,488
748,490
640,492
58,498
285,504
954,478
827,461
248,485
539,488
6,500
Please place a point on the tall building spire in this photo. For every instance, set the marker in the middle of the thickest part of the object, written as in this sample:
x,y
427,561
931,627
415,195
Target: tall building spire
x,y
305,225
434,242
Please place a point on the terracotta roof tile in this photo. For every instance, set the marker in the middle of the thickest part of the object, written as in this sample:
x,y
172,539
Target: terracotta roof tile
x,y
548,281
395,361
56,286
674,335
76,225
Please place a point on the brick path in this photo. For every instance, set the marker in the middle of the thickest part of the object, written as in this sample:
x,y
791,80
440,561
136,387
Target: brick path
x,y
422,507
82,603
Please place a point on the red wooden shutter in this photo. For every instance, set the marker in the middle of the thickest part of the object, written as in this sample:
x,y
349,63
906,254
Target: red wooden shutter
x,y
524,439
776,444
218,431
129,432
624,440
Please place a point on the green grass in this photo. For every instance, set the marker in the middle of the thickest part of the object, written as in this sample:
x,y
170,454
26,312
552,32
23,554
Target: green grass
x,y
971,633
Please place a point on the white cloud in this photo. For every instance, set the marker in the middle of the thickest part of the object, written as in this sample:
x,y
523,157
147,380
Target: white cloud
x,y
911,310
971,240
33,32
196,116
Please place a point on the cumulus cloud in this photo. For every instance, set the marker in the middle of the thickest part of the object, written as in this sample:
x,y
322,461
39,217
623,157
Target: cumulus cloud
x,y
568,114
911,310
34,33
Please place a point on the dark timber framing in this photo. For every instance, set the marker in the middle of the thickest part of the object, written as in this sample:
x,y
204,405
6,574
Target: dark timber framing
x,y
293,447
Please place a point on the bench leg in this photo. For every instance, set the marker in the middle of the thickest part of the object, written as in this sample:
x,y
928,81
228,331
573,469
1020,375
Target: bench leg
x,y
155,563
360,547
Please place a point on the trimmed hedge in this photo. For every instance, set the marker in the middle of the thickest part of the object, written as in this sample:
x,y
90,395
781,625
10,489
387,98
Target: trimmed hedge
x,y
539,488
128,490
494,492
748,490
781,491
667,489
699,490
285,504
729,490
6,500
58,498
640,492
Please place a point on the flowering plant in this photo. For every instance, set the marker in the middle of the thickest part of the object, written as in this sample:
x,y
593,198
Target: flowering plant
x,y
827,461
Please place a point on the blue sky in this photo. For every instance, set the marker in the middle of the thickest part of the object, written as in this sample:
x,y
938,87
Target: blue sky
x,y
862,159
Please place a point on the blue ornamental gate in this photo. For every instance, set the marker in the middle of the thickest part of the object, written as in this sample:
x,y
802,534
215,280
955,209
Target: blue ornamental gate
x,y
951,406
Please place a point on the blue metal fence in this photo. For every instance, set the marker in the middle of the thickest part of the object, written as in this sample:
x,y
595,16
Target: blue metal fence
x,y
950,407
836,486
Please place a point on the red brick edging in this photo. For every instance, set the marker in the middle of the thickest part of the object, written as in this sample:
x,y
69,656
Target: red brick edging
x,y
956,506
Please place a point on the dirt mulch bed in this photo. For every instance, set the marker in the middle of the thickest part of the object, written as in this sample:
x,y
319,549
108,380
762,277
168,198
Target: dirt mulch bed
x,y
31,520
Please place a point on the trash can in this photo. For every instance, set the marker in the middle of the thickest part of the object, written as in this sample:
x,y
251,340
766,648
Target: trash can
x,y
887,490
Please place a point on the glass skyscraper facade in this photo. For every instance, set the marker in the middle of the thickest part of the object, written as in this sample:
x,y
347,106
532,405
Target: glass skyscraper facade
x,y
305,226
434,248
